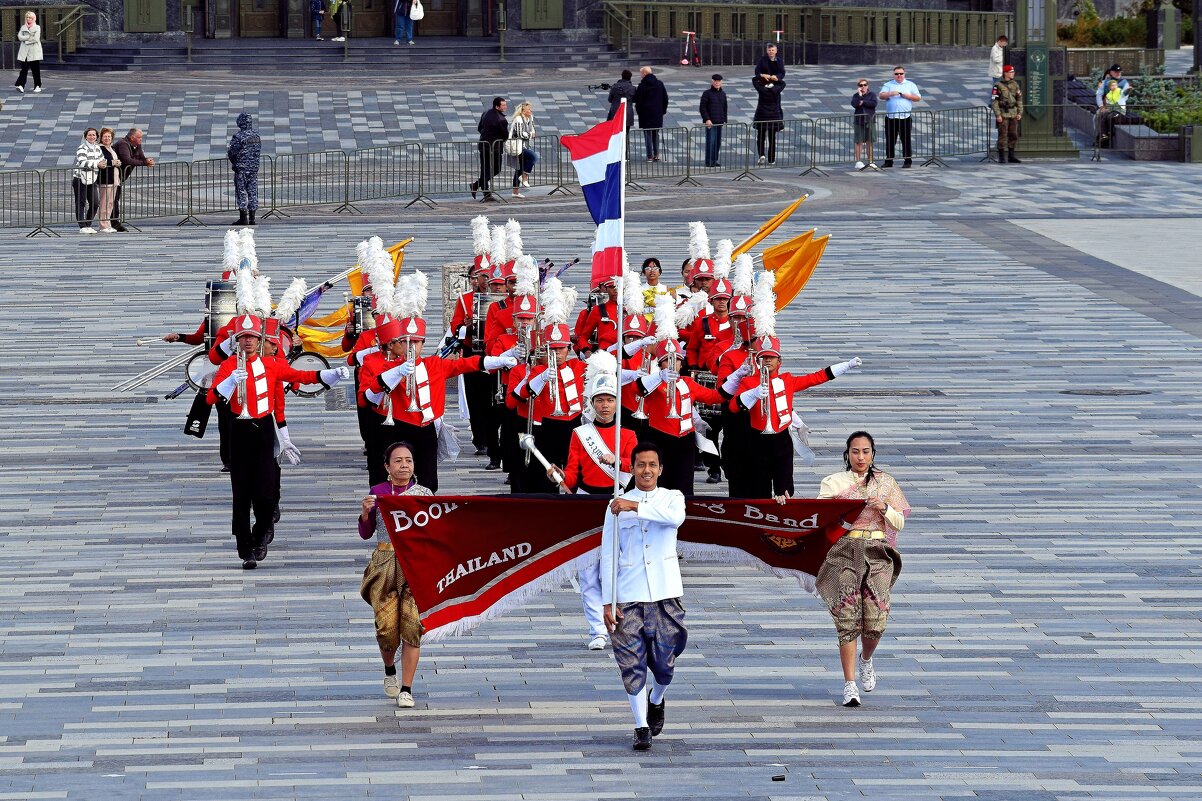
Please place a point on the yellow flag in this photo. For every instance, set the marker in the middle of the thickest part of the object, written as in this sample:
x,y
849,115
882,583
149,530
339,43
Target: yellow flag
x,y
768,227
397,252
793,274
778,255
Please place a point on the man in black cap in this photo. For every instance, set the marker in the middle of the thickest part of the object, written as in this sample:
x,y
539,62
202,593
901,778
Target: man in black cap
x,y
713,114
1106,111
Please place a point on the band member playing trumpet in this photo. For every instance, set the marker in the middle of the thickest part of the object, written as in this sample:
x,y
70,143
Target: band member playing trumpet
x,y
708,339
599,328
250,385
638,355
477,387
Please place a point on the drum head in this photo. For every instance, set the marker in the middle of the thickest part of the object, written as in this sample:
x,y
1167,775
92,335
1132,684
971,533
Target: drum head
x,y
221,306
199,371
307,360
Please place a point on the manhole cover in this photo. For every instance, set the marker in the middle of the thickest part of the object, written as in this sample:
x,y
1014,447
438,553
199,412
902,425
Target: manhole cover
x,y
1104,392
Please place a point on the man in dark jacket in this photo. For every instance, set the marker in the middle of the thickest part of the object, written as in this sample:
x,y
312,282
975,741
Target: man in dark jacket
x,y
129,153
494,129
622,89
243,153
713,114
651,103
769,66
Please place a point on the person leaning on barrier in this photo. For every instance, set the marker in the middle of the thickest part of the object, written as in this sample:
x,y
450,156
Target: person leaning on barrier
x,y
1007,111
769,117
651,103
129,151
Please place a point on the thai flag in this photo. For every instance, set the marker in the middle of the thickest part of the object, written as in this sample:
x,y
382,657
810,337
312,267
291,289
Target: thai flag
x,y
599,156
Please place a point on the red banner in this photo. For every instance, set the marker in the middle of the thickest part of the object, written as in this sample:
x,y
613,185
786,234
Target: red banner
x,y
468,558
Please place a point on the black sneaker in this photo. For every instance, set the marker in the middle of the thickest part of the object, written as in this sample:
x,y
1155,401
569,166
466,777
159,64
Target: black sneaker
x,y
481,451
225,468
655,717
642,738
715,477
475,189
494,465
249,564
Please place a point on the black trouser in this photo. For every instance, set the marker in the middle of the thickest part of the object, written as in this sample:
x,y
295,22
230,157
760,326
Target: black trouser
x,y
117,198
770,464
651,142
713,461
26,68
497,413
224,417
479,389
85,195
423,439
369,420
554,438
512,424
679,453
490,162
893,129
254,479
765,134
736,453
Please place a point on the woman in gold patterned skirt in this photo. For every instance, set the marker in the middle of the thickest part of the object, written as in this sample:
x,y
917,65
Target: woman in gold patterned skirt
x,y
863,565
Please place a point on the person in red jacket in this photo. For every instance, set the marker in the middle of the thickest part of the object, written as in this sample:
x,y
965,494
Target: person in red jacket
x,y
599,328
255,387
638,355
769,405
411,390
477,387
709,337
559,396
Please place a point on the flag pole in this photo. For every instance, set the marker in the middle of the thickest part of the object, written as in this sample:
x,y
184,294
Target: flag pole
x,y
621,280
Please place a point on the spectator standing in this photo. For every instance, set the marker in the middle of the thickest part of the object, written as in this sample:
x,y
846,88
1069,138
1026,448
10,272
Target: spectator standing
x,y
1107,111
713,114
522,130
997,57
404,23
88,159
769,117
340,10
129,151
651,103
245,148
109,180
1007,111
317,10
769,66
899,95
864,104
30,52
622,89
493,128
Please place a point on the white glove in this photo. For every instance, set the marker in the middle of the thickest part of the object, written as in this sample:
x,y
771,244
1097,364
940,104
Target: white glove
x,y
756,393
373,396
363,354
669,376
511,353
539,381
630,375
333,375
226,387
397,374
287,449
847,366
745,369
614,349
731,384
634,347
462,332
502,362
228,346
652,382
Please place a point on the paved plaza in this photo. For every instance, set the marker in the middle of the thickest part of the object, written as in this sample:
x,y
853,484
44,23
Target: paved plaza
x,y
1031,340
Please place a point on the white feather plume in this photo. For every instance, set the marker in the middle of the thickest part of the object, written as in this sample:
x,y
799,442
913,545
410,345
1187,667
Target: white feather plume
x,y
230,256
291,300
688,311
699,241
763,304
722,257
246,248
602,361
513,235
555,309
412,292
361,253
665,318
740,280
527,276
376,242
481,241
381,272
499,246
569,299
263,295
633,301
244,291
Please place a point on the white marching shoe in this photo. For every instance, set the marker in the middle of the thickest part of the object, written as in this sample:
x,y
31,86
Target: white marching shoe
x,y
851,694
405,700
598,643
866,674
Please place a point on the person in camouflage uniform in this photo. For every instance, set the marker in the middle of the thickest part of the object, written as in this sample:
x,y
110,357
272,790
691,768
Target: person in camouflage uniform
x,y
243,153
1007,111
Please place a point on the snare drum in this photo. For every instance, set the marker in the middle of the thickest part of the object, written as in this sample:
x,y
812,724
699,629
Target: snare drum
x,y
221,306
709,412
307,360
199,371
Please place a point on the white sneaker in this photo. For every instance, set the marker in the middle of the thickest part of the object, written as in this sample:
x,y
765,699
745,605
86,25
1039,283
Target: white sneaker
x,y
338,39
392,686
866,674
411,43
859,165
526,182
851,694
396,42
405,700
87,230
37,90
518,194
21,89
763,160
108,230
598,643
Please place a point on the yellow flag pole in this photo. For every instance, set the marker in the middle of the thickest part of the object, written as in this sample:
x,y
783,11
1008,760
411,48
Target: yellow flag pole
x,y
767,228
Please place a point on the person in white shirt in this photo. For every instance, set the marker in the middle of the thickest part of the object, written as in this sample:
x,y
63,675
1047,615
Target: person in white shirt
x,y
997,58
899,95
645,619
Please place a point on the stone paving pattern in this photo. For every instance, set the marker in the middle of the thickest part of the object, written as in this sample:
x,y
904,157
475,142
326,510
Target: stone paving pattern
x,y
1043,639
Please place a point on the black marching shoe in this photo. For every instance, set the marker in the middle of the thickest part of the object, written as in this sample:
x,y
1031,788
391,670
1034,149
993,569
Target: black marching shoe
x,y
481,451
249,564
241,218
475,189
655,717
1013,158
715,477
642,739
494,465
251,220
260,553
887,165
1001,157
269,537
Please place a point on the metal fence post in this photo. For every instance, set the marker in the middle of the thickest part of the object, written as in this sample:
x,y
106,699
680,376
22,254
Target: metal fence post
x,y
42,229
688,160
346,206
191,219
422,197
934,159
275,210
560,186
747,172
813,168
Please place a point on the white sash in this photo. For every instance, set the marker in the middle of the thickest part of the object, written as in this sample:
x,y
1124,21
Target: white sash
x,y
596,449
422,379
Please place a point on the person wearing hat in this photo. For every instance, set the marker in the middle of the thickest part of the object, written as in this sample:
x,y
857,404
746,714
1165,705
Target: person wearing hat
x,y
255,387
1007,112
243,152
558,395
638,357
737,361
700,279
713,114
1107,111
709,337
642,609
477,388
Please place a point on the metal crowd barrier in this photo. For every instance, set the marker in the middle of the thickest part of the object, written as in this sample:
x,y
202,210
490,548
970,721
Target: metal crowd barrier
x,y
671,145
377,173
21,200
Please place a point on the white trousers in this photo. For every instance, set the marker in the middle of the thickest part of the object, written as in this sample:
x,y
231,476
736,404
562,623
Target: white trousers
x,y
590,596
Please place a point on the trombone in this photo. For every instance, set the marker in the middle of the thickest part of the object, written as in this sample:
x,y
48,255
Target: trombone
x,y
385,406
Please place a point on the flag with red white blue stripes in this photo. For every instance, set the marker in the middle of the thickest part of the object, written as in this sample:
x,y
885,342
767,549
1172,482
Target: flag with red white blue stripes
x,y
599,156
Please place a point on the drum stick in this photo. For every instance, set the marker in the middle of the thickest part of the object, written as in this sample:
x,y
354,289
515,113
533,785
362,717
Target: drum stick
x,y
151,341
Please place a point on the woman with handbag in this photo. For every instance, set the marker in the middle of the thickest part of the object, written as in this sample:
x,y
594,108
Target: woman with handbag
x,y
30,52
406,11
519,148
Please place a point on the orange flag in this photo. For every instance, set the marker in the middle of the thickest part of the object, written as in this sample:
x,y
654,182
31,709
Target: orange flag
x,y
768,227
793,274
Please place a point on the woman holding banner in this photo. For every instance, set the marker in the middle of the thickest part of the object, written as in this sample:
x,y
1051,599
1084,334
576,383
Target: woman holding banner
x,y
384,585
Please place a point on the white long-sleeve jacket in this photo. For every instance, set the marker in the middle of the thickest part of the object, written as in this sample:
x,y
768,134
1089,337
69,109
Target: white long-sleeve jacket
x,y
647,564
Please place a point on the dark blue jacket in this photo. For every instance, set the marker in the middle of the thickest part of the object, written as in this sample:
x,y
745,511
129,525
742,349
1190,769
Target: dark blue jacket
x,y
865,106
316,7
651,102
245,146
768,106
765,66
713,106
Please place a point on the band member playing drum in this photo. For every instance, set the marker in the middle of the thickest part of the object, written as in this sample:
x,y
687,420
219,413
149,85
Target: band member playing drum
x,y
599,328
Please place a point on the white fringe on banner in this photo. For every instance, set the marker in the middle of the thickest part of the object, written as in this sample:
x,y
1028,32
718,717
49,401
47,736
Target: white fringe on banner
x,y
705,552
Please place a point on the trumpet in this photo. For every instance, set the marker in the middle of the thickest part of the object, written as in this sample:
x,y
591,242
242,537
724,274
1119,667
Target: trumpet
x,y
245,413
670,388
644,369
386,403
553,383
411,379
765,407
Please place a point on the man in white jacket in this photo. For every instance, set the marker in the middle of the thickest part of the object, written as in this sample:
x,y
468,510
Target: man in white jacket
x,y
646,619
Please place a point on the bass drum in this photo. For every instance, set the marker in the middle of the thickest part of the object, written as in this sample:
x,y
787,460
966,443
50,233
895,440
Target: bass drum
x,y
221,306
199,371
307,360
